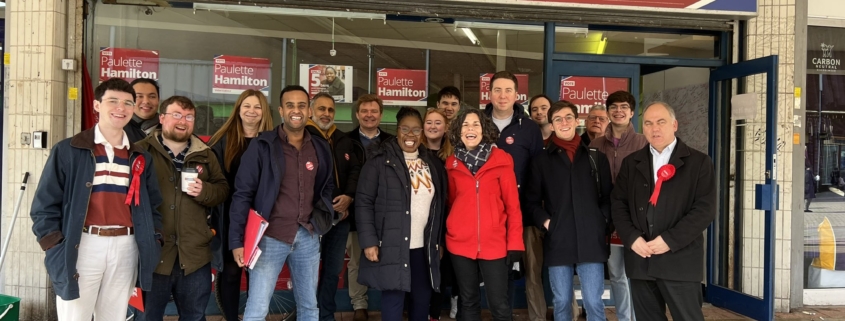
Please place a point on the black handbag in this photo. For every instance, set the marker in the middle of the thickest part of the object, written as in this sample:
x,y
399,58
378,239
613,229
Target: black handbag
x,y
322,218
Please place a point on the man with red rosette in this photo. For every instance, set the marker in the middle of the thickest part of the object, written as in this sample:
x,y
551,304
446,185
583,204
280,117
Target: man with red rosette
x,y
664,198
94,213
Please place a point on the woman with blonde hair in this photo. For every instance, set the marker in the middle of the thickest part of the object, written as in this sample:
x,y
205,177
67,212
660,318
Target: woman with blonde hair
x,y
250,116
435,125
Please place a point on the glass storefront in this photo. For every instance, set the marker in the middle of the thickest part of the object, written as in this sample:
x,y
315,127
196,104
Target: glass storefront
x,y
824,217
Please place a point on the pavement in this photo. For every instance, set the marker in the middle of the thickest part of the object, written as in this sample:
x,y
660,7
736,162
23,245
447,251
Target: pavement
x,y
821,313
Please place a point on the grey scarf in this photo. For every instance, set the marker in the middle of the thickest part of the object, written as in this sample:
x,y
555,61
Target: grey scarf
x,y
475,158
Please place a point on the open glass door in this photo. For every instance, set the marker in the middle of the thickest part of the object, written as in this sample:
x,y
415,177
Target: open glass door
x,y
743,144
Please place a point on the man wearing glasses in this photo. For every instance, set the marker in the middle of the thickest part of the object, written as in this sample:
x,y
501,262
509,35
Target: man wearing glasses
x,y
191,182
98,234
619,140
596,124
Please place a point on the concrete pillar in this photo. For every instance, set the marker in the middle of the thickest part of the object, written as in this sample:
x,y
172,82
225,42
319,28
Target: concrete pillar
x,y
772,32
39,34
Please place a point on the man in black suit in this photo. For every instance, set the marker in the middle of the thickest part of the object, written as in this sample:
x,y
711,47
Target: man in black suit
x,y
664,244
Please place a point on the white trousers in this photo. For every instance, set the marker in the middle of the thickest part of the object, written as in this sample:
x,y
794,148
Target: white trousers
x,y
108,268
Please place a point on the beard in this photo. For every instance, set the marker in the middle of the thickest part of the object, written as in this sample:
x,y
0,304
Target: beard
x,y
323,127
173,136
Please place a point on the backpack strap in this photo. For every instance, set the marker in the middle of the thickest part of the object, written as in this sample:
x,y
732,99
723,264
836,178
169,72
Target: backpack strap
x,y
594,154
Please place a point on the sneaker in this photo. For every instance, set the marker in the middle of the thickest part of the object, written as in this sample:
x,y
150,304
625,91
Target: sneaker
x,y
453,311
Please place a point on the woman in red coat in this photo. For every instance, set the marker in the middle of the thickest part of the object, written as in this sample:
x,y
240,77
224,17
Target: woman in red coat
x,y
484,225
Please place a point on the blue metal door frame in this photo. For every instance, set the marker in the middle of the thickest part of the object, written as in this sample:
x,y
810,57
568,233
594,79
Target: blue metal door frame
x,y
767,198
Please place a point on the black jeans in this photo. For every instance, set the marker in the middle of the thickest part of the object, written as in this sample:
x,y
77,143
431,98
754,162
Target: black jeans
x,y
495,274
190,293
229,284
332,253
650,299
447,279
393,301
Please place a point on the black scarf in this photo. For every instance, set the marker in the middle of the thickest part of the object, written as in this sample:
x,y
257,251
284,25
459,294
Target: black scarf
x,y
475,158
146,124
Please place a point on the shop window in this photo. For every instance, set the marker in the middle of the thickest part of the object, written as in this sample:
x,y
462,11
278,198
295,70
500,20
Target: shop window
x,y
582,40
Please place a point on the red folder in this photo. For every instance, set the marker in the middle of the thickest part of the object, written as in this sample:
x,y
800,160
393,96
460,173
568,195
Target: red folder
x,y
137,300
255,227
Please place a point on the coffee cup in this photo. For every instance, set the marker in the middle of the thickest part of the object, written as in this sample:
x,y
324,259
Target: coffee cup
x,y
188,176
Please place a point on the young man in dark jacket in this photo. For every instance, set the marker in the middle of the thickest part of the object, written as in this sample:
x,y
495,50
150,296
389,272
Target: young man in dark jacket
x,y
662,228
347,167
145,118
185,262
369,110
519,136
286,176
99,235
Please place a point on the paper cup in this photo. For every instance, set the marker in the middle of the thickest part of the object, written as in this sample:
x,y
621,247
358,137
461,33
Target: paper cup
x,y
188,176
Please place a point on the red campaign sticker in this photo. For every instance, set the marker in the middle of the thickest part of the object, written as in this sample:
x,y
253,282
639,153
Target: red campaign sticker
x,y
346,155
309,166
509,140
455,164
199,169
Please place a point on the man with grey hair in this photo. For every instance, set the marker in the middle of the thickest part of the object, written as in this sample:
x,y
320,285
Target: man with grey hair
x,y
347,166
595,125
661,227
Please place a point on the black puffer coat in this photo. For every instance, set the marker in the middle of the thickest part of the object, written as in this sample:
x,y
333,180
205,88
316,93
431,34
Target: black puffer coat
x,y
382,208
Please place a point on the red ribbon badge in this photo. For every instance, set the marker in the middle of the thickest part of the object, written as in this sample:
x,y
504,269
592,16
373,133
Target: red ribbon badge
x,y
663,174
135,185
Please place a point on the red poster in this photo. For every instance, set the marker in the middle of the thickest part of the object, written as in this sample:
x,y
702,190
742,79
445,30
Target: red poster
x,y
404,87
128,64
137,299
585,92
234,74
521,89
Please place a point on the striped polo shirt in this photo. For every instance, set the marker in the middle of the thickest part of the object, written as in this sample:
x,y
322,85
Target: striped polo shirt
x,y
106,206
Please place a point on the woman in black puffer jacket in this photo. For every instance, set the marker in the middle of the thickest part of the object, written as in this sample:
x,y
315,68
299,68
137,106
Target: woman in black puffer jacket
x,y
399,206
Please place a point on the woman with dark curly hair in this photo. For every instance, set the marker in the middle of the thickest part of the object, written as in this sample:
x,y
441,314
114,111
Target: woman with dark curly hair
x,y
484,225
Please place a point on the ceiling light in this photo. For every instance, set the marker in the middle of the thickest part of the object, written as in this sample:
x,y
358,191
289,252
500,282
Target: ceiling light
x,y
471,36
602,46
517,27
288,11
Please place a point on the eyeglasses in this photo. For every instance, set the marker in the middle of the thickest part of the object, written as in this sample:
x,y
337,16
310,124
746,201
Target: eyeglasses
x,y
567,118
405,130
114,102
178,116
601,119
619,107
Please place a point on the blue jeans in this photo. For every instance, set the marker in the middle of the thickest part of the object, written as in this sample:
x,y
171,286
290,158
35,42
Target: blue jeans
x,y
592,287
190,293
332,254
619,284
303,259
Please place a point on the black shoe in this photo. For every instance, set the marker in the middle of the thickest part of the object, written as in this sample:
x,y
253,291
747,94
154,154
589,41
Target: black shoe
x,y
808,211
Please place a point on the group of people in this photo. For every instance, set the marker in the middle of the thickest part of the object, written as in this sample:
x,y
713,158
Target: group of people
x,y
459,197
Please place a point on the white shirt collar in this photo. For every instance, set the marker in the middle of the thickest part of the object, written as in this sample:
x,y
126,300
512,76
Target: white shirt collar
x,y
378,132
666,151
100,139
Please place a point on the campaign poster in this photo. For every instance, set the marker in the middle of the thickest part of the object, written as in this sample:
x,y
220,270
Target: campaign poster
x,y
234,74
404,87
521,89
585,92
128,64
333,79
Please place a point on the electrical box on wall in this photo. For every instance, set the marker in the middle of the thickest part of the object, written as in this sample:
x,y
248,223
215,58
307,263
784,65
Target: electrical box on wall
x,y
39,139
68,64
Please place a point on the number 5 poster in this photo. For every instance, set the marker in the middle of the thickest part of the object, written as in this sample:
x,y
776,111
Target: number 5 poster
x,y
332,79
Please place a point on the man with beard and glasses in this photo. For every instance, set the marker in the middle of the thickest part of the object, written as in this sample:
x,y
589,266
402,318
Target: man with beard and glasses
x,y
368,109
191,183
287,177
144,121
347,166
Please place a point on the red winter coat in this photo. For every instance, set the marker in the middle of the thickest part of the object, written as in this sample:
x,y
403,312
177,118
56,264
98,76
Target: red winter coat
x,y
484,221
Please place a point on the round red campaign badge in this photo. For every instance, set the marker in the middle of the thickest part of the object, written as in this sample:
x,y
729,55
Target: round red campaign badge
x,y
199,169
309,166
509,140
455,163
346,155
